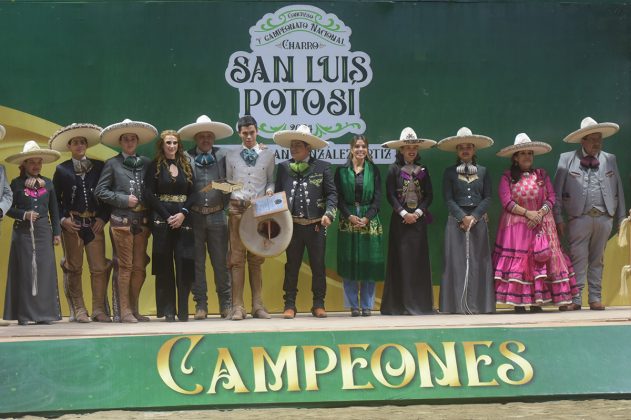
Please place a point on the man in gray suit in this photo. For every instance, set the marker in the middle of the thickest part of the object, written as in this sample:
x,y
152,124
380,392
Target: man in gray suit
x,y
121,186
589,191
210,226
6,197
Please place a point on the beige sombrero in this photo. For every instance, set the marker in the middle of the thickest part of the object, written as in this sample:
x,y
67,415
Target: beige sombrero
x,y
464,136
523,142
59,140
145,132
3,132
260,240
303,133
32,150
409,137
589,126
203,123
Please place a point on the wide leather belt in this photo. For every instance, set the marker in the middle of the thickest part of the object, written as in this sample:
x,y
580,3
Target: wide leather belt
x,y
207,209
594,212
305,222
127,221
169,198
240,203
83,214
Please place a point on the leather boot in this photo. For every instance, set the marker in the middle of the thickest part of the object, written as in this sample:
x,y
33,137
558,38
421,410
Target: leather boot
x,y
238,281
134,296
99,294
124,298
74,294
256,284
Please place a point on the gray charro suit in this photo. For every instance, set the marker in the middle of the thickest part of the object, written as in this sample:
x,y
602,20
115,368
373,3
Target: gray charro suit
x,y
588,233
210,228
6,195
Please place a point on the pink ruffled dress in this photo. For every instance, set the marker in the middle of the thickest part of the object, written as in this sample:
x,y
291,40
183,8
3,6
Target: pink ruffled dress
x,y
519,279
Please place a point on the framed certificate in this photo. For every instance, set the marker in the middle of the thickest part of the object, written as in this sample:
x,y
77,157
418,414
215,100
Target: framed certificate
x,y
271,204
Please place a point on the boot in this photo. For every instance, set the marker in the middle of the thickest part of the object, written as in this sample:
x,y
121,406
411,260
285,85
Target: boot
x,y
238,281
134,296
74,294
256,284
99,295
62,263
116,309
125,299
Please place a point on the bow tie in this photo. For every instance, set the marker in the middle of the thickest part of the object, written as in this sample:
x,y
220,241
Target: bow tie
x,y
204,159
133,162
589,162
299,167
249,156
81,167
467,169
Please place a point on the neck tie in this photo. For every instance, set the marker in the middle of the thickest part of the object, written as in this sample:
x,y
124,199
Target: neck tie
x,y
249,156
204,159
589,162
299,167
133,162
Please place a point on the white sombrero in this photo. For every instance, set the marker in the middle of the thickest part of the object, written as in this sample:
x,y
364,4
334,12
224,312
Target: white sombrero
x,y
260,240
589,126
59,140
145,132
464,136
303,133
409,137
32,150
203,123
523,142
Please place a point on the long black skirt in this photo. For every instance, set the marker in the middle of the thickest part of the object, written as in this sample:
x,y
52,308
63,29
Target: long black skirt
x,y
408,285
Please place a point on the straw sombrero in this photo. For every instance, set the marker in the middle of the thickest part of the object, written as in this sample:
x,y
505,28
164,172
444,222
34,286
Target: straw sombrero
x,y
523,142
259,240
409,137
464,136
111,134
59,140
203,123
303,133
589,126
32,150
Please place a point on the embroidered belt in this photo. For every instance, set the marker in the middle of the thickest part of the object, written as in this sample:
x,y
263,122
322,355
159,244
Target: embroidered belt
x,y
169,198
594,212
83,214
127,221
305,222
207,209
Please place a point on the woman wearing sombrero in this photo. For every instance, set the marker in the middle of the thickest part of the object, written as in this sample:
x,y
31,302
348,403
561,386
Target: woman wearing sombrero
x,y
32,294
530,266
408,283
467,283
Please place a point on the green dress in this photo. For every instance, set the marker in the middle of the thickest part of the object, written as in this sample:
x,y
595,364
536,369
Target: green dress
x,y
359,250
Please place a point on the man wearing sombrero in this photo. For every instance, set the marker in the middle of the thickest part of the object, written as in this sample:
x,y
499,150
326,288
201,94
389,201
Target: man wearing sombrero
x,y
121,186
83,217
253,167
210,226
312,200
590,194
6,196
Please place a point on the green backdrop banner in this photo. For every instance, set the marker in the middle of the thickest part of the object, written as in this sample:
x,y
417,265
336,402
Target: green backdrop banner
x,y
312,368
498,67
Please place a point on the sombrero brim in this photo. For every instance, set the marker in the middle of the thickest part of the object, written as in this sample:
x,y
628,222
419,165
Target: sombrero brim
x,y
449,144
59,140
262,246
607,129
285,137
145,132
47,156
220,130
537,147
420,143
